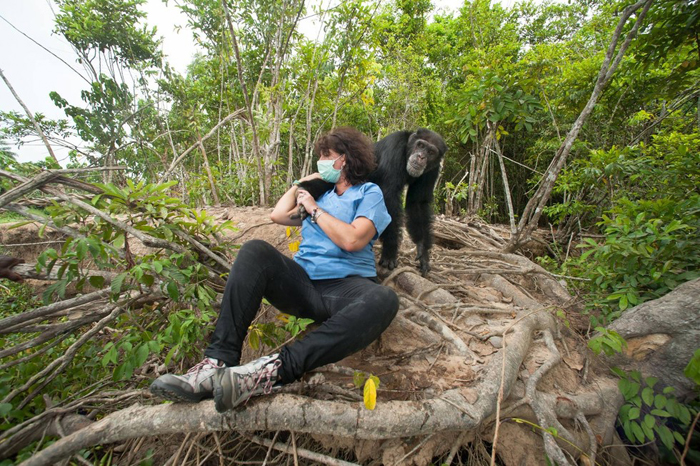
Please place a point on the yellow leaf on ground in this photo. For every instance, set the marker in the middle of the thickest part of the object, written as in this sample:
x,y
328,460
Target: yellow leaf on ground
x,y
370,394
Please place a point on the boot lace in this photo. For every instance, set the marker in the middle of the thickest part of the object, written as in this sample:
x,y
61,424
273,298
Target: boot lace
x,y
203,365
266,376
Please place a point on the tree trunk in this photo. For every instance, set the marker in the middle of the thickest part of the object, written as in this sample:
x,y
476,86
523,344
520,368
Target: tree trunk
x,y
244,89
533,209
212,184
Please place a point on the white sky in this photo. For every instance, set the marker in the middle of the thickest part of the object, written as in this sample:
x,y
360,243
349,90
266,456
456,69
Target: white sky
x,y
34,73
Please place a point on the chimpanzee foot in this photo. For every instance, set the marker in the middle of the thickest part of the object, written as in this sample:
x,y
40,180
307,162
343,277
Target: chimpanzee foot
x,y
424,267
388,263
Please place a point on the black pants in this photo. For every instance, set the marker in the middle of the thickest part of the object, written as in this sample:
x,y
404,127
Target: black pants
x,y
352,311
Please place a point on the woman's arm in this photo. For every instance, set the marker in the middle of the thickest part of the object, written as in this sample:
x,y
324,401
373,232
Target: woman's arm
x,y
350,237
280,214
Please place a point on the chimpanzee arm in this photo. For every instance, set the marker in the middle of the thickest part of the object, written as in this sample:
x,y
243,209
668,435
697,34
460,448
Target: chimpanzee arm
x,y
419,212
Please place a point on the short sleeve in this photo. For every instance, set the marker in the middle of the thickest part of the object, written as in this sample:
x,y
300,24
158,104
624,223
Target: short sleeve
x,y
372,206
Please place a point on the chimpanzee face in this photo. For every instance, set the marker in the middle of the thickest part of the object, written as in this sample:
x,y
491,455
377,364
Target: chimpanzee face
x,y
422,155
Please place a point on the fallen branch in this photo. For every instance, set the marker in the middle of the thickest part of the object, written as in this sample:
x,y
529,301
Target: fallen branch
x,y
308,454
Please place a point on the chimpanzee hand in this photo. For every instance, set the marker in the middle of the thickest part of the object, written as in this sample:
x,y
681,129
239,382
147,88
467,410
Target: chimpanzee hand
x,y
6,263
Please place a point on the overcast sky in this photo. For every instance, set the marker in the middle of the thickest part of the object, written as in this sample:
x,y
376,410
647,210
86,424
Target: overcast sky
x,y
33,72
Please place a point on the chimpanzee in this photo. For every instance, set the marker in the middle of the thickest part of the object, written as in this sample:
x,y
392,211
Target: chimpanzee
x,y
403,158
316,188
413,159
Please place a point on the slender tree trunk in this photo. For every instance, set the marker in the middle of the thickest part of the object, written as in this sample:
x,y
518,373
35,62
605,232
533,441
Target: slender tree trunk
x,y
506,188
533,209
212,184
31,118
472,183
477,172
244,89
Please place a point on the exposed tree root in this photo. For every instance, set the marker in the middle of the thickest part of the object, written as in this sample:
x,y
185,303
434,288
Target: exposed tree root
x,y
459,340
392,419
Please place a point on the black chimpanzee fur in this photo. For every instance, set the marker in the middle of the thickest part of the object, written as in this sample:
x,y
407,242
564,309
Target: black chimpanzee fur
x,y
403,158
316,188
413,159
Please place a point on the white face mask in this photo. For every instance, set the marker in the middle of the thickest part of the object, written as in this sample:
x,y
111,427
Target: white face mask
x,y
327,171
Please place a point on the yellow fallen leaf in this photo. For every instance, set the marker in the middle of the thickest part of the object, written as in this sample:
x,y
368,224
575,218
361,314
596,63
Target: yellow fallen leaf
x,y
370,394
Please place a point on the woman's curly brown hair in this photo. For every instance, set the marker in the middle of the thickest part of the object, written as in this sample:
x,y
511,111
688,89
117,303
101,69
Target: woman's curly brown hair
x,y
357,148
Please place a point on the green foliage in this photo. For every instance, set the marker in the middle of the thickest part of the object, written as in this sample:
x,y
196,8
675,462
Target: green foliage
x,y
692,370
173,326
147,208
108,26
491,99
650,248
650,414
272,334
608,342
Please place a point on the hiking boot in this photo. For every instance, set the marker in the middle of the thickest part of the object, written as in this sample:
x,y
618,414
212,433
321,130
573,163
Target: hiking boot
x,y
235,385
192,387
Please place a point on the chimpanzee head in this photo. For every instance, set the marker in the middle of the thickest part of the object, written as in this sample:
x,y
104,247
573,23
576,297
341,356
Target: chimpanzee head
x,y
425,150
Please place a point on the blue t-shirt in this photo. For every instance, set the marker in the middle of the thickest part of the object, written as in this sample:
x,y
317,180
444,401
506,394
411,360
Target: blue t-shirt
x,y
320,256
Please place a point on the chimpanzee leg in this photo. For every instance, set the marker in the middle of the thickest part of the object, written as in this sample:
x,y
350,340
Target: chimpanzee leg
x,y
419,210
391,238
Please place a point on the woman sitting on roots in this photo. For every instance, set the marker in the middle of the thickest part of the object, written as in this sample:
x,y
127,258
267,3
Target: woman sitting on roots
x,y
332,280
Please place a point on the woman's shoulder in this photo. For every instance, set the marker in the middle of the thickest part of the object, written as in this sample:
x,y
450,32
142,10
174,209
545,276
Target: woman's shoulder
x,y
368,187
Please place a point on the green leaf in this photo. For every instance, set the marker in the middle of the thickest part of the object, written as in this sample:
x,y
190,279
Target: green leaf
x,y
651,381
660,413
659,401
358,378
648,431
684,415
173,290
254,340
666,436
141,355
692,370
171,353
638,432
147,280
153,346
634,413
117,282
649,420
626,426
648,396
81,249
679,438
110,356
5,409
97,281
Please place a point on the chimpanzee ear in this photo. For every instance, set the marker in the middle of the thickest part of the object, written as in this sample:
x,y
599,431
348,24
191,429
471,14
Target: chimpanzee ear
x,y
412,139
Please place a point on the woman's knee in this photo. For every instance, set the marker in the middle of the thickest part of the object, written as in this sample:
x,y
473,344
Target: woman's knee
x,y
385,301
255,249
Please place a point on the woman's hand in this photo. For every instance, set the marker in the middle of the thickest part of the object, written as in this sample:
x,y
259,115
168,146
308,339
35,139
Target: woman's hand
x,y
307,200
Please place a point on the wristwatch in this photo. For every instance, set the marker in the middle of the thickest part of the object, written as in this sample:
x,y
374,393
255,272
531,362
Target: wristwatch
x,y
316,214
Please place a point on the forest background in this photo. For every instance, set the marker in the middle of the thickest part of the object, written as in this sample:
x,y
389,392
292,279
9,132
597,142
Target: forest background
x,y
503,86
